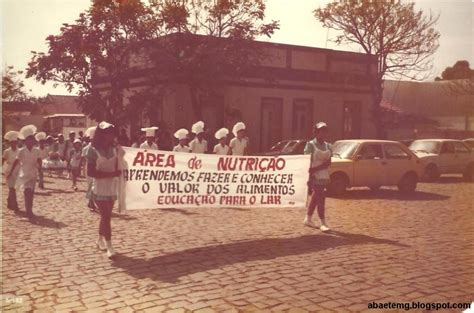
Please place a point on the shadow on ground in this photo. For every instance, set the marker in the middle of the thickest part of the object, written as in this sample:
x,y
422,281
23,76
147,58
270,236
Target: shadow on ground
x,y
392,194
171,267
41,220
180,211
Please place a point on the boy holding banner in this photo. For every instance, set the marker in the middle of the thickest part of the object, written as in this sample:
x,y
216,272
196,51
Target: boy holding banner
x,y
239,144
198,144
321,153
149,143
181,135
222,148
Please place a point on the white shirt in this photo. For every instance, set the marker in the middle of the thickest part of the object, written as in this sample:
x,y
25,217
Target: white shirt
x,y
197,146
29,162
10,156
145,145
238,145
43,152
180,148
76,157
221,149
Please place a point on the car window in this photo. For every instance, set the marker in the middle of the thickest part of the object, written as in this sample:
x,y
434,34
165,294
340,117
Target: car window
x,y
447,147
469,143
459,147
395,152
425,146
371,152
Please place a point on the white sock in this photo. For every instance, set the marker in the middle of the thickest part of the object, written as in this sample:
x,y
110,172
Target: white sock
x,y
309,217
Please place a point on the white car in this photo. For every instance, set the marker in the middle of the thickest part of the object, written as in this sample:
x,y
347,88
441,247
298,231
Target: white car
x,y
372,163
444,156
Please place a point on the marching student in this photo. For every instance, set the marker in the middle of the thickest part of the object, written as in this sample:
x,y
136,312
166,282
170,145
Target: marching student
x,y
149,142
198,144
89,135
102,166
44,150
222,148
75,161
239,144
9,157
321,153
181,135
29,160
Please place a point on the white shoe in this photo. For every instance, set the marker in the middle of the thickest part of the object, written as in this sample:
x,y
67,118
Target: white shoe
x,y
309,223
100,243
110,250
324,227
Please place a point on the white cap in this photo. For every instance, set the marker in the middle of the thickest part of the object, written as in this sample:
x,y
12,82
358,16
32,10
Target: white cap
x,y
221,133
181,133
105,125
77,141
40,136
90,132
27,131
198,127
11,136
320,125
237,127
149,131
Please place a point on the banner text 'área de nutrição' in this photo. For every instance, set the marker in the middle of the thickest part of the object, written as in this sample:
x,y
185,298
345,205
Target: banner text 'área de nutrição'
x,y
163,179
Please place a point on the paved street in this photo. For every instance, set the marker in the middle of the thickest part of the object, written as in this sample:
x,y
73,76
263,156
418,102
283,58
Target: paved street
x,y
383,249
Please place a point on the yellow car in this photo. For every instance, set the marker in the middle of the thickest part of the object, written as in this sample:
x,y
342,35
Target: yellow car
x,y
372,163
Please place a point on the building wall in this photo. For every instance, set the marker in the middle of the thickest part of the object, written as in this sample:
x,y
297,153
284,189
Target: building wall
x,y
326,78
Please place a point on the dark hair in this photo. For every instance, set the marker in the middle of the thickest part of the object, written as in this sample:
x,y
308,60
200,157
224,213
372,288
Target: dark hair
x,y
98,140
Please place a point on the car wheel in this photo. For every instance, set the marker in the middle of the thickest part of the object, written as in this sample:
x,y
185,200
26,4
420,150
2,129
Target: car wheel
x,y
408,183
338,184
469,172
432,173
374,188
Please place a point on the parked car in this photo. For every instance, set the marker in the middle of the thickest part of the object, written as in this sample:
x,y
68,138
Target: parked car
x,y
373,163
469,142
444,156
288,147
407,142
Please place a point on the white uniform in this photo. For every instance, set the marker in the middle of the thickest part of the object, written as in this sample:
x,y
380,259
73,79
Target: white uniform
x,y
221,149
10,156
43,152
75,158
180,148
238,145
29,166
145,145
197,146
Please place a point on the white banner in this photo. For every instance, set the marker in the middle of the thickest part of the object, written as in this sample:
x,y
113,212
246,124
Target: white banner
x,y
162,179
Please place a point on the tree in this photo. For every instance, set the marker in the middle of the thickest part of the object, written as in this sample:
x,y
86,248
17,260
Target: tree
x,y
401,38
211,42
460,83
12,85
99,43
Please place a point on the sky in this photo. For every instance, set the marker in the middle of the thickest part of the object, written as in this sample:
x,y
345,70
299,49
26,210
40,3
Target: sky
x,y
26,23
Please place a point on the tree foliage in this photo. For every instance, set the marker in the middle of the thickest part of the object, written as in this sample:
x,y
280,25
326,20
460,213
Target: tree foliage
x,y
12,85
103,43
402,38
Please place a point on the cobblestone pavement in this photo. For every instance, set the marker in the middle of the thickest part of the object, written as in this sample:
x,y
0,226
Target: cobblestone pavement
x,y
384,248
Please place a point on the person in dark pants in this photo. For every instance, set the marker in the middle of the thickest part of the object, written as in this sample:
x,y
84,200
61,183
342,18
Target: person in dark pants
x,y
102,166
321,153
8,158
29,160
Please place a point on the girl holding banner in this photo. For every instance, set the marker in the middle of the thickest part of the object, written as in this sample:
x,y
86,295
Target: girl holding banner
x,y
102,166
321,153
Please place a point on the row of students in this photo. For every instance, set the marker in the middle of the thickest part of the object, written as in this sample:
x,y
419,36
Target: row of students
x,y
21,167
237,146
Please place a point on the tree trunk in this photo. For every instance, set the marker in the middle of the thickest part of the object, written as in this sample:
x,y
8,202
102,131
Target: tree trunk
x,y
195,102
377,113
